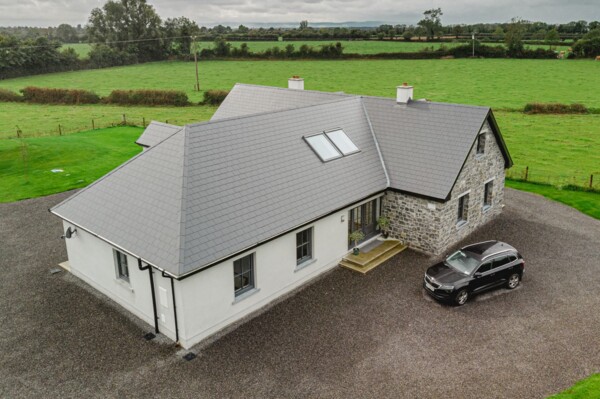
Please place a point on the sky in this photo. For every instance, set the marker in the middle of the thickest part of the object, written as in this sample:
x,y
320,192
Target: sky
x,y
235,12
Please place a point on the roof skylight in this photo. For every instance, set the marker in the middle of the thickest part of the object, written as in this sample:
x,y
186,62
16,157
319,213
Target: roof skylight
x,y
331,145
323,147
342,142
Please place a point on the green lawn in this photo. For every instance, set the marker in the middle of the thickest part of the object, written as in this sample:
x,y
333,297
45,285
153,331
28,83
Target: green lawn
x,y
350,46
500,83
584,389
26,165
39,120
586,202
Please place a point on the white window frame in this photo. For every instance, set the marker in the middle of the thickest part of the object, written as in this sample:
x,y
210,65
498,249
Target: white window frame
x,y
464,215
118,256
485,183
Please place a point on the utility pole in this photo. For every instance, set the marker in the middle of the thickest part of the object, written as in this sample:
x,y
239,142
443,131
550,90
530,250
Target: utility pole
x,y
197,87
473,37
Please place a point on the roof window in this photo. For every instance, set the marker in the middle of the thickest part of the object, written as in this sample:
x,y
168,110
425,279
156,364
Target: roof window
x,y
331,145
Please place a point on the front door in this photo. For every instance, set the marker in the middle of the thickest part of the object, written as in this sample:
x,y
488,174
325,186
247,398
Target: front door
x,y
364,218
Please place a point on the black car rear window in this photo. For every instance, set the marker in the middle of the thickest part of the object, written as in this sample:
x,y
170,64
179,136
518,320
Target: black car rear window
x,y
501,261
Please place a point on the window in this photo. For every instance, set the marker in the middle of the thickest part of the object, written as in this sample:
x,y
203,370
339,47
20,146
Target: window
x,y
243,274
481,144
303,246
501,261
342,142
488,189
331,145
463,209
485,267
323,147
122,269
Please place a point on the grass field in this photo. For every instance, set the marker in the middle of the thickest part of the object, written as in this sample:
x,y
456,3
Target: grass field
x,y
350,46
500,83
26,165
584,389
39,120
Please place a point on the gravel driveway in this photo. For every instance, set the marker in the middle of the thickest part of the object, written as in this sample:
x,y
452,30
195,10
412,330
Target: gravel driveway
x,y
344,336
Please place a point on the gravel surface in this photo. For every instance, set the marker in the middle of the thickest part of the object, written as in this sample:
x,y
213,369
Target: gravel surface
x,y
344,336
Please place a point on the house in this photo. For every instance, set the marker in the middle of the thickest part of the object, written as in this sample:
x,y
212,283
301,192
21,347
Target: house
x,y
214,220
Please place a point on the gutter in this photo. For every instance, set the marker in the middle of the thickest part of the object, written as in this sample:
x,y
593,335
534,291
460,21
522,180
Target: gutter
x,y
147,267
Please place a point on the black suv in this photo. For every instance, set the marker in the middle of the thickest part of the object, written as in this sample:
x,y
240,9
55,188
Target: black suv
x,y
473,269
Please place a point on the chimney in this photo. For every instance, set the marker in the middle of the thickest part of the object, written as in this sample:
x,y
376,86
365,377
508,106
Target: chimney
x,y
404,93
296,83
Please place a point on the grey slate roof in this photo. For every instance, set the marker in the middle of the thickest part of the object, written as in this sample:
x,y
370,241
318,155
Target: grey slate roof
x,y
216,188
156,132
424,144
245,99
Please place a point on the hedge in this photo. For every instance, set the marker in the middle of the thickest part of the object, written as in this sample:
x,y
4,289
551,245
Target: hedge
x,y
555,108
44,95
214,97
147,97
9,96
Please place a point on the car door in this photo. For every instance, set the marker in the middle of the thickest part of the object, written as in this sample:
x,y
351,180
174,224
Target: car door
x,y
503,266
481,278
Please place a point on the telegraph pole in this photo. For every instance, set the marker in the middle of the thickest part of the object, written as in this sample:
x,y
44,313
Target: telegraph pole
x,y
197,86
473,37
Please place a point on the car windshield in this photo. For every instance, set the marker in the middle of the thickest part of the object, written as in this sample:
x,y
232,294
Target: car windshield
x,y
461,262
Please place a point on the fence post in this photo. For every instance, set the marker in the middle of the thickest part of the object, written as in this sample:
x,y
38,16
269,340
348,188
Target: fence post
x,y
143,121
526,173
124,119
93,125
592,181
59,130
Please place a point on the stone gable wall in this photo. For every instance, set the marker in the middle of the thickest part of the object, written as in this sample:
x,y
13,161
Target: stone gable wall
x,y
432,226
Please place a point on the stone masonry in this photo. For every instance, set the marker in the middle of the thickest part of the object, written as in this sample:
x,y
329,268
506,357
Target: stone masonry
x,y
432,226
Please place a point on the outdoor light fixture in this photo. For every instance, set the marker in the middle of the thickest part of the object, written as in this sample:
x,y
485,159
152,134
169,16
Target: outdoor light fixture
x,y
69,233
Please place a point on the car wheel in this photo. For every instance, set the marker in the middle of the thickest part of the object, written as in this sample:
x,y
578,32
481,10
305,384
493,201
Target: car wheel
x,y
513,281
461,297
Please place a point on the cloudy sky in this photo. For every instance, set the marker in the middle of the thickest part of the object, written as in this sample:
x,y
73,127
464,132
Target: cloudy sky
x,y
209,12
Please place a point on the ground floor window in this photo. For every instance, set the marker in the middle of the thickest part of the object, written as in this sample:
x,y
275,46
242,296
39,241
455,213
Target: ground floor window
x,y
487,194
463,209
303,246
243,274
121,263
364,218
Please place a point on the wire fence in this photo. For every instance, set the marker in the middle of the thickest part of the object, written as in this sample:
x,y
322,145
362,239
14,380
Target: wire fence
x,y
583,181
70,127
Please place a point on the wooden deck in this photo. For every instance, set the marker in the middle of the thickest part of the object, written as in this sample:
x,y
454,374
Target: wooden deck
x,y
367,261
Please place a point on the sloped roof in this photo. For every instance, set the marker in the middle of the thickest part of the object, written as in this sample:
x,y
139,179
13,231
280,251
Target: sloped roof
x,y
216,188
156,132
246,99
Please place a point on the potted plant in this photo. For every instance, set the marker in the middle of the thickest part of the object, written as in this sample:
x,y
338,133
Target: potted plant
x,y
355,237
383,223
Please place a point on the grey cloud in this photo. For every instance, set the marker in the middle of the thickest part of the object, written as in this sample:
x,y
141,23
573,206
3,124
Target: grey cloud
x,y
208,12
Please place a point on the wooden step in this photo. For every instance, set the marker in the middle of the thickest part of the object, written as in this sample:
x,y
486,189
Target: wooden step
x,y
367,261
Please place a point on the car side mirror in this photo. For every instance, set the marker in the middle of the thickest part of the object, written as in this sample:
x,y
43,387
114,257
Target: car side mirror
x,y
477,275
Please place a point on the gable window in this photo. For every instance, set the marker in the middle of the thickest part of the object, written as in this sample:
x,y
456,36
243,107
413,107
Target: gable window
x,y
488,190
121,264
243,274
463,209
304,246
331,145
481,144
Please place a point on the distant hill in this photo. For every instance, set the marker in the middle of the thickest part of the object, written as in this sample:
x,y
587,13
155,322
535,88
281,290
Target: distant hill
x,y
348,24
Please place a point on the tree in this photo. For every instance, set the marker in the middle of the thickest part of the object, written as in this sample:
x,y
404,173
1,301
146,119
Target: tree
x,y
432,23
457,30
552,37
179,34
588,45
66,33
303,25
514,37
499,33
243,29
128,25
408,35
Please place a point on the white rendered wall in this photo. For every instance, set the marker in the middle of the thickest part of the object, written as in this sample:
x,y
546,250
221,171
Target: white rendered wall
x,y
208,302
92,260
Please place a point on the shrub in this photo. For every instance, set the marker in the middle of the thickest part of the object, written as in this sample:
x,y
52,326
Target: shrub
x,y
147,97
215,97
9,96
102,56
44,95
555,108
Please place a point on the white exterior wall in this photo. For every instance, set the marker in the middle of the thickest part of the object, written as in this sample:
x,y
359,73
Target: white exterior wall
x,y
92,260
208,302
